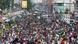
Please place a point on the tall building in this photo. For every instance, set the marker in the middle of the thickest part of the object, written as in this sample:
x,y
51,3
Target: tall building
x,y
62,5
50,6
36,1
76,5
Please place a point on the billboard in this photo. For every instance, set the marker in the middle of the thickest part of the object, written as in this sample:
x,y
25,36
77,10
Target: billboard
x,y
24,4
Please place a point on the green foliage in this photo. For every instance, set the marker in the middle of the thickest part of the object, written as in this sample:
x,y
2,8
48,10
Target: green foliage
x,y
4,4
7,26
29,4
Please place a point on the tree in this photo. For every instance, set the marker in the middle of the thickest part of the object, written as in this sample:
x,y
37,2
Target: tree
x,y
4,4
29,4
1,3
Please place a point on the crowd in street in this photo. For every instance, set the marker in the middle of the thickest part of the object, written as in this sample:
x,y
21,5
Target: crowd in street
x,y
38,30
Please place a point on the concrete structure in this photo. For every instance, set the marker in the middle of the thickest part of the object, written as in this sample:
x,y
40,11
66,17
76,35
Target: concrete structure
x,y
76,4
62,5
36,1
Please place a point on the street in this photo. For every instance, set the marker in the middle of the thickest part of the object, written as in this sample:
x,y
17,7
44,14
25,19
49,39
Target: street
x,y
38,22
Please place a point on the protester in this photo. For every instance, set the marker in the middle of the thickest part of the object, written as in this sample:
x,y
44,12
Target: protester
x,y
31,30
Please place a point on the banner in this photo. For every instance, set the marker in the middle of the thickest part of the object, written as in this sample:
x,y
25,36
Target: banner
x,y
24,4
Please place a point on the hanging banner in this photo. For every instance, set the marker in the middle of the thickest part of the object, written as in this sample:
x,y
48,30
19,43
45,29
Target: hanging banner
x,y
24,4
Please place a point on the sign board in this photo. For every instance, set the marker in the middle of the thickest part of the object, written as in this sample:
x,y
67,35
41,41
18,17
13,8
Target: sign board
x,y
24,4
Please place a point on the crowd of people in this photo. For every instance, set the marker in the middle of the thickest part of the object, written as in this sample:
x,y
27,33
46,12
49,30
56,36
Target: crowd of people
x,y
31,29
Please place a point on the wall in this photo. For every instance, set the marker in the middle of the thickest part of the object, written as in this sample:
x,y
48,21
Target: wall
x,y
58,1
67,4
36,1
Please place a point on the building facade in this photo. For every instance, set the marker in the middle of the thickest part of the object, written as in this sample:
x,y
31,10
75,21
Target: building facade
x,y
62,5
76,4
36,1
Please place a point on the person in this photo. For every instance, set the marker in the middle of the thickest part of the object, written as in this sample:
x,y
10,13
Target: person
x,y
30,42
62,41
66,12
1,12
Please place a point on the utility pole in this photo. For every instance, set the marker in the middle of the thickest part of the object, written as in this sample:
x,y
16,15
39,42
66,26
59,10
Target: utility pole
x,y
50,6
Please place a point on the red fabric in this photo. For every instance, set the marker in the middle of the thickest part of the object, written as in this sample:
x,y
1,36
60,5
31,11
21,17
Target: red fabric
x,y
62,42
34,42
45,34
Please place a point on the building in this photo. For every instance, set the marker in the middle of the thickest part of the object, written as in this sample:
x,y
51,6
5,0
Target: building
x,y
62,5
36,1
76,4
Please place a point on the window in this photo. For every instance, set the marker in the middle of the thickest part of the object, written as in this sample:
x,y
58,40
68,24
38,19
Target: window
x,y
60,4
